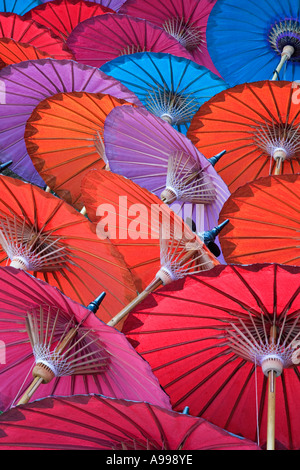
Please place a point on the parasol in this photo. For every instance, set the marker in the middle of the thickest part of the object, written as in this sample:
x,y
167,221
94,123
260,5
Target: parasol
x,y
103,38
43,235
16,27
157,246
264,222
252,41
64,139
258,125
13,52
95,422
225,343
62,16
27,84
185,21
154,155
168,86
54,345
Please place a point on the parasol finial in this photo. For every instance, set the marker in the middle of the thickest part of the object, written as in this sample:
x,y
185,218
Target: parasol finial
x,y
213,160
5,165
94,306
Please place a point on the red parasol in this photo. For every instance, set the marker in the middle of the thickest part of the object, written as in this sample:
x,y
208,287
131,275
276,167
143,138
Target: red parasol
x,y
62,16
259,126
51,345
64,139
156,244
94,422
264,222
42,234
16,27
216,342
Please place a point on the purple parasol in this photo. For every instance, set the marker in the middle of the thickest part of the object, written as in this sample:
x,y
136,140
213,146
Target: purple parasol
x,y
150,152
25,85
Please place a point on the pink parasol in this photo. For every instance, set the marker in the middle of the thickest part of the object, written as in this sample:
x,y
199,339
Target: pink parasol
x,y
93,422
101,39
65,347
185,20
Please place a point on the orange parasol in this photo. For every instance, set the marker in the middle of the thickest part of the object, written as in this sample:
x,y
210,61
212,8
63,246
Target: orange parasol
x,y
43,235
264,222
157,245
64,138
258,124
13,52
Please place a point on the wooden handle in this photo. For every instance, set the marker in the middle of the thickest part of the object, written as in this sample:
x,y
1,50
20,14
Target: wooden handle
x,y
30,390
153,286
117,318
271,401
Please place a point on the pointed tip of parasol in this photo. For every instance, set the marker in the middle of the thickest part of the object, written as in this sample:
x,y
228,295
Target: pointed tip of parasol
x,y
213,160
95,305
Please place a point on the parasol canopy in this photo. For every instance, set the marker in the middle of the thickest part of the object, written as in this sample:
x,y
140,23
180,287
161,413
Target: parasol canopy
x,y
64,139
62,16
185,21
250,41
225,343
43,235
93,422
170,87
150,152
26,85
264,222
55,346
13,52
101,39
16,27
258,125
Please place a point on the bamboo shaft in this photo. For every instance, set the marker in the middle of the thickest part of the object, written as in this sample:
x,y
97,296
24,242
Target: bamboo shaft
x,y
30,390
271,402
283,59
117,318
278,166
286,54
154,285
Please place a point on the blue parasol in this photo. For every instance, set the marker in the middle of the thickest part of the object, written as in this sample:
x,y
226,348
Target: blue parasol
x,y
259,40
172,88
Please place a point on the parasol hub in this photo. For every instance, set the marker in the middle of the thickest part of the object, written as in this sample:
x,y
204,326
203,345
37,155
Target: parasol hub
x,y
288,51
279,153
166,275
272,363
44,370
169,195
19,262
167,117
